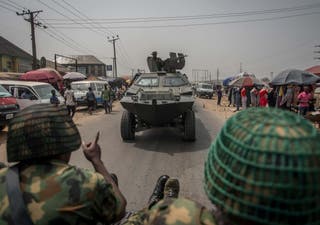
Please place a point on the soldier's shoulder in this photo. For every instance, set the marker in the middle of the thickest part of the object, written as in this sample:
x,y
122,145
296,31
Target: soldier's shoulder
x,y
180,211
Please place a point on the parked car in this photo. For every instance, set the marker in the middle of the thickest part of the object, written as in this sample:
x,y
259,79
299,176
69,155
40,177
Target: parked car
x,y
80,89
8,107
204,90
29,92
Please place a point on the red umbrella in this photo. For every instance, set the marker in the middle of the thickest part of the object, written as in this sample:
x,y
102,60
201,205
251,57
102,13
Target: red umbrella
x,y
245,81
46,75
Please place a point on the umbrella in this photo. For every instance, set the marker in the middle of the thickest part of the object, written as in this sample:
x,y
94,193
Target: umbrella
x,y
293,76
46,75
245,81
226,81
74,76
42,75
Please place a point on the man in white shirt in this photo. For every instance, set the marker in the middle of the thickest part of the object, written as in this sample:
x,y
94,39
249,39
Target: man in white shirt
x,y
70,101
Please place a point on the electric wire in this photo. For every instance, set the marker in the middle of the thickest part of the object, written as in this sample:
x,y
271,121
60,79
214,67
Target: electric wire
x,y
98,27
199,24
195,17
7,8
87,18
10,5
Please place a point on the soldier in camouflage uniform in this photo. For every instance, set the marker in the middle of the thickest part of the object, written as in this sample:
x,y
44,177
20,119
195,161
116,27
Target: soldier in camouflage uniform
x,y
41,138
262,169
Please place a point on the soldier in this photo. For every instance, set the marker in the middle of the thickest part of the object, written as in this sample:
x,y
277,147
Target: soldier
x,y
154,63
41,138
262,169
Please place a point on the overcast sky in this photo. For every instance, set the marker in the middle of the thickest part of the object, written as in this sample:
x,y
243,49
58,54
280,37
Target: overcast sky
x,y
263,36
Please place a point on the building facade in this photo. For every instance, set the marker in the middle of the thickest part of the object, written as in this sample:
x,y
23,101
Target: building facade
x,y
13,58
86,64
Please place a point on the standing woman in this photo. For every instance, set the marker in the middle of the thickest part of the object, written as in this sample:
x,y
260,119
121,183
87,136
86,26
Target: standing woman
x,y
304,97
263,94
244,98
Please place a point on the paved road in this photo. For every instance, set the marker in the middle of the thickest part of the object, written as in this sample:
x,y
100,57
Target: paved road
x,y
153,153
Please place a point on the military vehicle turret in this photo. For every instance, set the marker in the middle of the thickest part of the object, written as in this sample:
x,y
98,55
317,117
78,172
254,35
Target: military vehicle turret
x,y
162,97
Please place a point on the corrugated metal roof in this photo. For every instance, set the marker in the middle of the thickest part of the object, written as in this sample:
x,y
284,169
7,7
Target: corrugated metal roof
x,y
315,70
82,59
8,48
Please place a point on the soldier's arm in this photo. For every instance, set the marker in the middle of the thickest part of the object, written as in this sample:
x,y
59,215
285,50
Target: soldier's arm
x,y
92,152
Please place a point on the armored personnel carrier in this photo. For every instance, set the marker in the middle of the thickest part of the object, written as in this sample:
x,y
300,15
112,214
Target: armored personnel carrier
x,y
159,98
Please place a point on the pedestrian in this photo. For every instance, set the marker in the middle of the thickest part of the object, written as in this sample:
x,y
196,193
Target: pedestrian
x,y
244,98
54,99
230,96
286,101
219,94
304,97
91,100
106,98
237,98
48,190
254,97
263,95
252,176
70,101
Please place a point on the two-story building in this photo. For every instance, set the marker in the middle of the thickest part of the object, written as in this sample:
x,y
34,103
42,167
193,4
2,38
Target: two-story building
x,y
13,58
87,64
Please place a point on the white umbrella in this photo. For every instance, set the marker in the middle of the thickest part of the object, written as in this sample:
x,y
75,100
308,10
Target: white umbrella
x,y
74,76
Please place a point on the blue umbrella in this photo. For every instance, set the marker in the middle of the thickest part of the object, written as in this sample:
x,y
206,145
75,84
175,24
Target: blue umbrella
x,y
226,81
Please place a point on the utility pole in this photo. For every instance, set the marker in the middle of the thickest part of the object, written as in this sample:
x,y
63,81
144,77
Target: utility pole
x,y
31,20
240,67
317,46
218,73
113,40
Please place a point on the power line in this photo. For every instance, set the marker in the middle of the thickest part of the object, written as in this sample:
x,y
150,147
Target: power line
x,y
199,24
85,16
7,8
196,17
96,26
52,8
18,5
11,5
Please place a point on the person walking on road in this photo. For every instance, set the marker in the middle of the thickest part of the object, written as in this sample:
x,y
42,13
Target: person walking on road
x,y
70,101
219,94
91,99
106,99
48,190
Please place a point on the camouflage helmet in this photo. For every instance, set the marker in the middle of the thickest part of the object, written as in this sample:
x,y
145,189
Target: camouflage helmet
x,y
264,166
41,130
178,211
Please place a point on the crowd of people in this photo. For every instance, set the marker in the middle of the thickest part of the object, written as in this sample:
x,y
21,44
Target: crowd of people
x,y
290,97
262,168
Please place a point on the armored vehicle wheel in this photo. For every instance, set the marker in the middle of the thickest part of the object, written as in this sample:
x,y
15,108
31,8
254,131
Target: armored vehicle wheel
x,y
127,126
189,126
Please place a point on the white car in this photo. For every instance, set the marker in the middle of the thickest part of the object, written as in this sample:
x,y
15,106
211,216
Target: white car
x,y
30,92
204,90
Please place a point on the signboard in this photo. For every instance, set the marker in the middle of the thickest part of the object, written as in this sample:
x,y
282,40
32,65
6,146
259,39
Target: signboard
x,y
109,67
